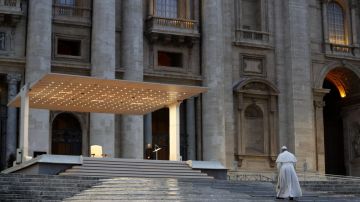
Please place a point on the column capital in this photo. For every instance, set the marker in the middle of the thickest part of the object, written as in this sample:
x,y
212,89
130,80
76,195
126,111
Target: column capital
x,y
319,104
13,77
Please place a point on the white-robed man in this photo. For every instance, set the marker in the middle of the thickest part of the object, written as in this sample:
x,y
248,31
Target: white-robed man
x,y
288,183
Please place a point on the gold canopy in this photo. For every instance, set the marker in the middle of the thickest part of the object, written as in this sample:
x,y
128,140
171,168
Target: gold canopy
x,y
89,94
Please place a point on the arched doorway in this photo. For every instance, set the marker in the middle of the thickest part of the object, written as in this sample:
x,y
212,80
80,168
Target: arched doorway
x,y
339,117
66,135
333,131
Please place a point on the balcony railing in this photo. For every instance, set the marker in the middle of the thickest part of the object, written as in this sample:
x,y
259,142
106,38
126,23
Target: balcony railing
x,y
72,13
342,50
252,36
10,6
173,25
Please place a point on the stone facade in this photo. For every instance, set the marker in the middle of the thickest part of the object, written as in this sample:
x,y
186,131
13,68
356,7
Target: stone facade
x,y
278,73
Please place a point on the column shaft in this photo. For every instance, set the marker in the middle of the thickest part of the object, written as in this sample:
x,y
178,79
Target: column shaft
x,y
102,127
132,136
213,73
11,122
148,129
38,63
299,85
190,129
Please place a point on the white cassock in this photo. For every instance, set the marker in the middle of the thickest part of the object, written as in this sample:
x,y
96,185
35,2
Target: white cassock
x,y
288,182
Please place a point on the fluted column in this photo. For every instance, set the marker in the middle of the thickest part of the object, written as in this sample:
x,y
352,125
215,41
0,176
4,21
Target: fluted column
x,y
11,122
102,127
190,129
38,63
132,136
213,73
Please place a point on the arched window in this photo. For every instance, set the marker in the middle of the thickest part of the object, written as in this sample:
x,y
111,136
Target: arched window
x,y
336,24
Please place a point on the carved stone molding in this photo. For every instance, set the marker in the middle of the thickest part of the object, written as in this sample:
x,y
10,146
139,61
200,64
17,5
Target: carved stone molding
x,y
13,78
256,86
272,161
319,104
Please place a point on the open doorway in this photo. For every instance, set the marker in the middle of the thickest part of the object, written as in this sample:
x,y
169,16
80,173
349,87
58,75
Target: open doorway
x,y
333,131
160,133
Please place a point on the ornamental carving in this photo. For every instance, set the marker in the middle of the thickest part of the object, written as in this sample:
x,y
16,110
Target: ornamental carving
x,y
256,86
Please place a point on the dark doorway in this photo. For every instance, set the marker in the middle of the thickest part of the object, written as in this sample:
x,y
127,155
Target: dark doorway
x,y
333,132
160,132
66,135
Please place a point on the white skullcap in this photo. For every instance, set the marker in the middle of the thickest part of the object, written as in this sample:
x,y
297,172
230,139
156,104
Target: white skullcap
x,y
283,148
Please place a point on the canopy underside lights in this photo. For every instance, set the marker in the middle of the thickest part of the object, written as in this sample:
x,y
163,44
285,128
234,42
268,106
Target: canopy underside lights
x,y
89,94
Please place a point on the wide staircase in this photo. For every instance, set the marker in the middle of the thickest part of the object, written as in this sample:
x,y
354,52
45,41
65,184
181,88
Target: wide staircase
x,y
18,187
113,167
50,188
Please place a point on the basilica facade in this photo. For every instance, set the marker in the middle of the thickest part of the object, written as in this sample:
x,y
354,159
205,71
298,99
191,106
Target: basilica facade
x,y
278,72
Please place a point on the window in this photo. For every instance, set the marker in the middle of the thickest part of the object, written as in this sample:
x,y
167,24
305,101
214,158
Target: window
x,y
336,25
69,47
66,2
251,14
2,40
169,59
174,9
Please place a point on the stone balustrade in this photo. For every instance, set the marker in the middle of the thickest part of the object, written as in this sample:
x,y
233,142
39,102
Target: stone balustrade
x,y
252,36
174,25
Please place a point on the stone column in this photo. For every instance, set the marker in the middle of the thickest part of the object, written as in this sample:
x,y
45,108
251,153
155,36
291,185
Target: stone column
x,y
38,63
190,129
132,136
11,122
319,128
102,127
298,89
148,129
213,73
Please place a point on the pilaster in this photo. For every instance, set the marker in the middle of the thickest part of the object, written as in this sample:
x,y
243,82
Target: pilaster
x,y
319,128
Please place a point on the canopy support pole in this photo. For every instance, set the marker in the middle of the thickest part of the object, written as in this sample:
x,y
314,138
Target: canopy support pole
x,y
24,126
174,132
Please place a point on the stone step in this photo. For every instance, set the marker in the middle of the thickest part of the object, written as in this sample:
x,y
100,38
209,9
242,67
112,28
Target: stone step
x,y
50,184
127,167
135,171
153,175
133,161
139,164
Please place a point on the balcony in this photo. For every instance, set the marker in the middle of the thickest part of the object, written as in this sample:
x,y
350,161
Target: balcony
x,y
177,29
340,50
247,37
10,12
64,13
